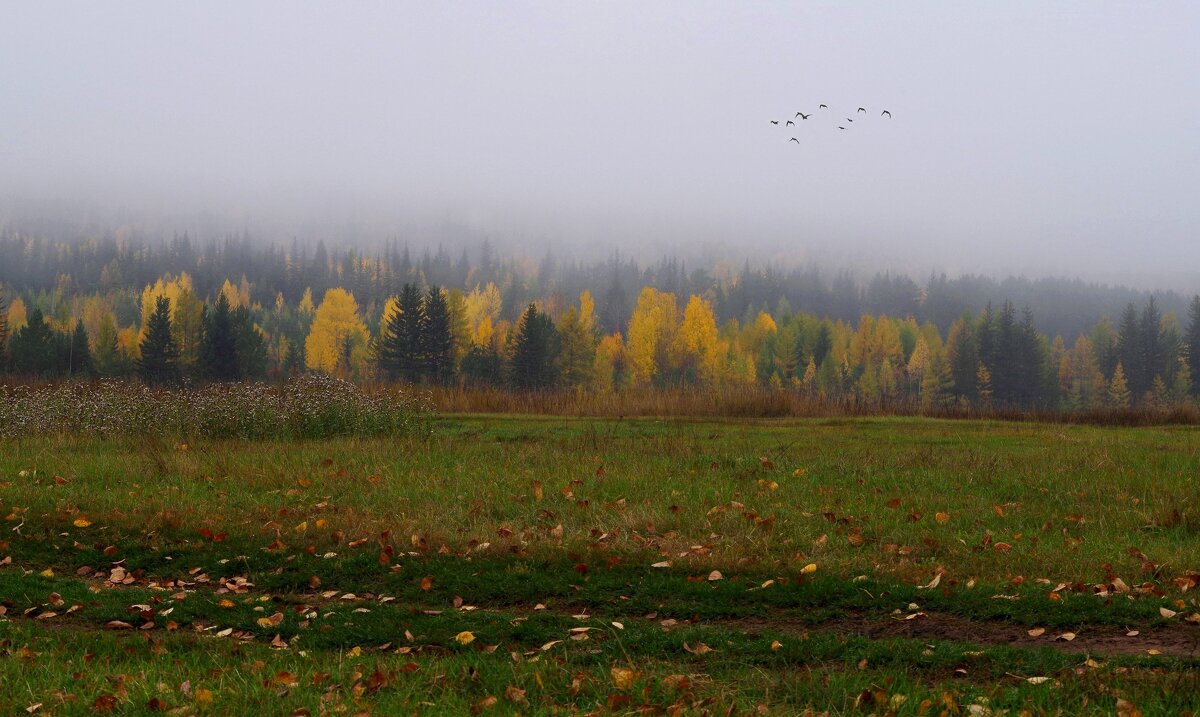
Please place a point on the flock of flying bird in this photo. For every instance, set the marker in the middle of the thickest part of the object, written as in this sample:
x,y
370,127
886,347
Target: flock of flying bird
x,y
802,116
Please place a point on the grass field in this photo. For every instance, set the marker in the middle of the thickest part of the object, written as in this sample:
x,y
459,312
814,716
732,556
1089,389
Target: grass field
x,y
555,565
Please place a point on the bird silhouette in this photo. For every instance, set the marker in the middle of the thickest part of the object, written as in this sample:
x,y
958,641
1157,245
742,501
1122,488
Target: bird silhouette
x,y
841,128
849,120
803,116
790,124
793,139
862,109
885,112
774,121
823,107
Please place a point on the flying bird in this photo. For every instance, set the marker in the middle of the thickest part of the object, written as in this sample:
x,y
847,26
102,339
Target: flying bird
x,y
790,124
849,120
774,121
803,116
862,109
823,107
885,112
793,139
841,128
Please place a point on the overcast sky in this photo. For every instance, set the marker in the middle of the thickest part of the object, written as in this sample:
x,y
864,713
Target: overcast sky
x,y
1045,138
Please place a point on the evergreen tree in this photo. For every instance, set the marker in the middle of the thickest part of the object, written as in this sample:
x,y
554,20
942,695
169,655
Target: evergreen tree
x,y
34,349
1191,343
398,352
482,365
535,351
436,346
159,362
1151,349
1129,354
962,349
218,346
250,347
3,333
79,356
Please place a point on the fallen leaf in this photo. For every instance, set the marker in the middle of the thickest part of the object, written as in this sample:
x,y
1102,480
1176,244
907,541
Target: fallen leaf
x,y
623,677
81,522
1037,632
809,569
464,638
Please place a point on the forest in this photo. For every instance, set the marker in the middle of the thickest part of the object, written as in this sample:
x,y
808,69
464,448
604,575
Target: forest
x,y
240,310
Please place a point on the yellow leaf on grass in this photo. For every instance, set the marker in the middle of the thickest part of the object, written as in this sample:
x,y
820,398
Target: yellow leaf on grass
x,y
204,697
82,522
808,569
623,677
942,517
464,638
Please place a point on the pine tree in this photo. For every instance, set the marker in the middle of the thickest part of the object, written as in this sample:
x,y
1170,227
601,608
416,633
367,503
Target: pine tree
x,y
159,362
983,385
535,350
436,346
218,347
1151,349
80,355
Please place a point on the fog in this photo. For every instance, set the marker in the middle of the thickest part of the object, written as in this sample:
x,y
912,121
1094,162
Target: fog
x,y
1026,137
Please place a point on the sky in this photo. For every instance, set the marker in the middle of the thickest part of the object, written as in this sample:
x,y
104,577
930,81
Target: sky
x,y
1043,138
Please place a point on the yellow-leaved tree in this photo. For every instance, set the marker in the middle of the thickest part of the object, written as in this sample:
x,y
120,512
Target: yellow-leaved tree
x,y
652,331
338,341
699,346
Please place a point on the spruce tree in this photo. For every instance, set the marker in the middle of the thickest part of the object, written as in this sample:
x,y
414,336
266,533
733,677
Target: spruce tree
x,y
159,363
3,333
437,343
1191,342
535,351
34,349
80,355
218,346
398,351
249,343
1151,349
1129,354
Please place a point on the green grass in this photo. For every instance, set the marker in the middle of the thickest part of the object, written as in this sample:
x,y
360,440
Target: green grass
x,y
534,521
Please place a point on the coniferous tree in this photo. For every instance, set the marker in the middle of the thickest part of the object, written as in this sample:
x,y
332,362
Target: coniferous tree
x,y
218,346
436,346
1151,350
159,363
249,343
1191,343
79,356
398,351
535,351
1129,354
3,333
34,349
1118,390
482,365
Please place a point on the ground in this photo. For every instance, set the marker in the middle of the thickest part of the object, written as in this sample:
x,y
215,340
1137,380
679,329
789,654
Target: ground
x,y
551,565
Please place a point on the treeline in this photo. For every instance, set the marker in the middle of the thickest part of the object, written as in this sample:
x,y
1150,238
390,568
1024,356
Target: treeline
x,y
47,271
996,358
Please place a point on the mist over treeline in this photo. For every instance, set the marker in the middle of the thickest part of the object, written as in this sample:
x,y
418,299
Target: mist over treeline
x,y
739,287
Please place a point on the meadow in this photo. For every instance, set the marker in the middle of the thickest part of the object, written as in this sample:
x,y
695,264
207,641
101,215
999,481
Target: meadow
x,y
555,565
